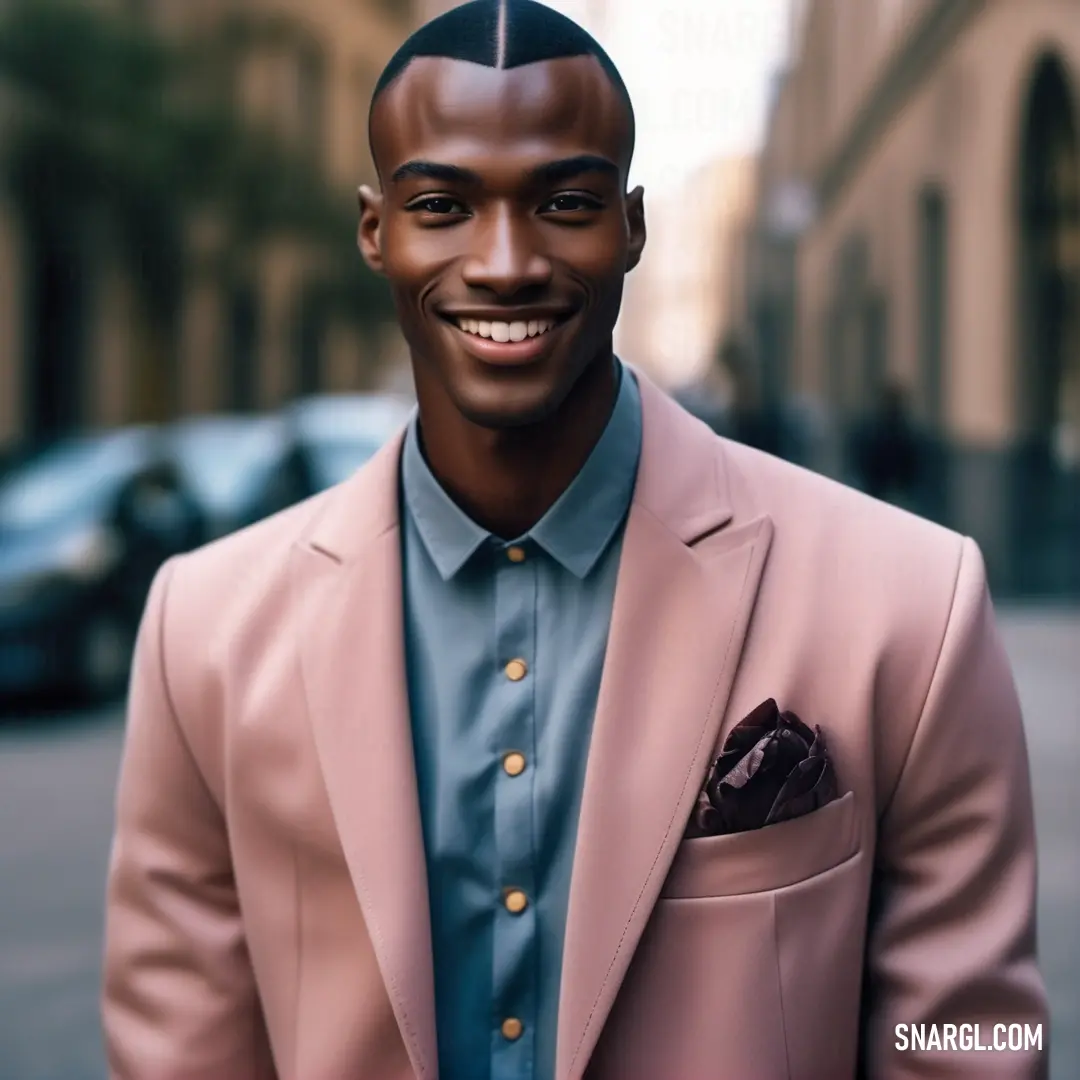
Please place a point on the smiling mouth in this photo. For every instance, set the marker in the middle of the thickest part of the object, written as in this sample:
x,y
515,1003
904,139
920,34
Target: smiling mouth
x,y
506,332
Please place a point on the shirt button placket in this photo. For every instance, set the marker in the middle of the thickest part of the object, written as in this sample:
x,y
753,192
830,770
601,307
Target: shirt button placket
x,y
515,929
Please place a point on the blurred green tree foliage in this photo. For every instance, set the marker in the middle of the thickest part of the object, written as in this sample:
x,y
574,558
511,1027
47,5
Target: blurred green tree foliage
x,y
108,118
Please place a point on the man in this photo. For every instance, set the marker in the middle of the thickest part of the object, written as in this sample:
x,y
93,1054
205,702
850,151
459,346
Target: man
x,y
418,773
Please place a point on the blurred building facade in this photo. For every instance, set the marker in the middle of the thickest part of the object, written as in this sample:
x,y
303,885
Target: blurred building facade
x,y
252,320
917,224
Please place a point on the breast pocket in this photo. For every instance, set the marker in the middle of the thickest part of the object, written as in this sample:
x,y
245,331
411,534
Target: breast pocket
x,y
761,860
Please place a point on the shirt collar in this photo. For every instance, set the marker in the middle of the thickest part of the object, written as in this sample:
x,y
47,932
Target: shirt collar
x,y
576,529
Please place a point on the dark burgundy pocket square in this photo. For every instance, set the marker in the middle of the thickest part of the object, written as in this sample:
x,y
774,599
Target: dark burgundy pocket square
x,y
772,768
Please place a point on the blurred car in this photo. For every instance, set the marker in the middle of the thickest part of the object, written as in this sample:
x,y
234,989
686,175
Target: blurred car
x,y
334,434
84,525
232,465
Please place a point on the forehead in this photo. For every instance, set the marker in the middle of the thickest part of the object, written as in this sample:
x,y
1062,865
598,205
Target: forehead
x,y
441,107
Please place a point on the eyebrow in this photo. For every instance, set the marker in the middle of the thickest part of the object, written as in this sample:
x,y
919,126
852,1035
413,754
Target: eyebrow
x,y
551,172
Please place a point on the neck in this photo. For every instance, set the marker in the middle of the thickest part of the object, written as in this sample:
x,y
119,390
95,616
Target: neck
x,y
506,479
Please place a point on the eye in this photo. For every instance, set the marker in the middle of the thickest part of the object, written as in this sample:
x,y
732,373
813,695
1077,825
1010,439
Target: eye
x,y
439,205
571,203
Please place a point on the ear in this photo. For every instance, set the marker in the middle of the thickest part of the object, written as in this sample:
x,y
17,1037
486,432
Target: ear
x,y
368,233
635,226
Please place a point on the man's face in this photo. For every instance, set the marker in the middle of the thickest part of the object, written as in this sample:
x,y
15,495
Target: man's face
x,y
503,215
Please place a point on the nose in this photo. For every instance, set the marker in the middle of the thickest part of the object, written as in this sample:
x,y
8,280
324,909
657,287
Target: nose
x,y
504,259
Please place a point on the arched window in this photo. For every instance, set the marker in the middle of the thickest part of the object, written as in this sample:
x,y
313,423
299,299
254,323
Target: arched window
x,y
1049,375
1046,509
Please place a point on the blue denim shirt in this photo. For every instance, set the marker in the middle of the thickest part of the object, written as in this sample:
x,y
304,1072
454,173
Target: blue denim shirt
x,y
505,646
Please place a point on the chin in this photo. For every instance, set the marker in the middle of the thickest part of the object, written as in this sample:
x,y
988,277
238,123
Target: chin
x,y
497,415
503,406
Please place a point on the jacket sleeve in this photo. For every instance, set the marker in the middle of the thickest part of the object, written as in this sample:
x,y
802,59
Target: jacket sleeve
x,y
952,933
179,1000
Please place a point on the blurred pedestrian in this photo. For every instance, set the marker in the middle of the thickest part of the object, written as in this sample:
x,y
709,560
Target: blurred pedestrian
x,y
156,517
158,509
751,420
886,452
293,481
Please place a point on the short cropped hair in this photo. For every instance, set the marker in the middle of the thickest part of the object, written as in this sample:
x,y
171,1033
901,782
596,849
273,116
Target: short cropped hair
x,y
502,34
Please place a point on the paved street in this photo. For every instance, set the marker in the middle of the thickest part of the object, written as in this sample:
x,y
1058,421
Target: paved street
x,y
1045,651
56,789
56,792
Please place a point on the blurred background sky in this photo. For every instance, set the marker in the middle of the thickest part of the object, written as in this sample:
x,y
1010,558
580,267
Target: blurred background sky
x,y
700,73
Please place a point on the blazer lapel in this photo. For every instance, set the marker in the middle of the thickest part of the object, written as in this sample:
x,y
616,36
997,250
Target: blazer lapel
x,y
683,600
348,578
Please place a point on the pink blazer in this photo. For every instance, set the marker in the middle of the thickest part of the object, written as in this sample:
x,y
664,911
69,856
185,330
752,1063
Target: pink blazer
x,y
267,910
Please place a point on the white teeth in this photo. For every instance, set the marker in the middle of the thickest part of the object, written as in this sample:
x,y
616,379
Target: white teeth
x,y
504,331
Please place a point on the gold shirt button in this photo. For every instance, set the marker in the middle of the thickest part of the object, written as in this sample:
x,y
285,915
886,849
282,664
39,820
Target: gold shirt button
x,y
515,670
512,1028
515,554
516,901
514,763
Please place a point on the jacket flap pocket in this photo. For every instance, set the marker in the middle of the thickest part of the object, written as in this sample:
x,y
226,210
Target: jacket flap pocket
x,y
763,859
